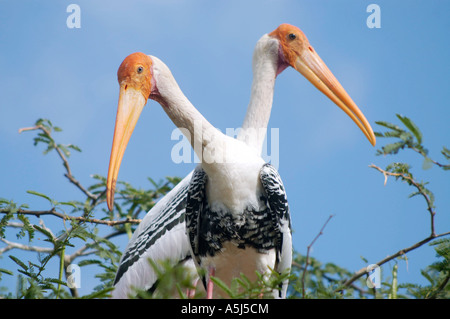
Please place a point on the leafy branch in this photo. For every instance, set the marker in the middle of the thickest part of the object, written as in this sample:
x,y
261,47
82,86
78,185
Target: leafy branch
x,y
64,217
410,138
46,127
132,202
401,171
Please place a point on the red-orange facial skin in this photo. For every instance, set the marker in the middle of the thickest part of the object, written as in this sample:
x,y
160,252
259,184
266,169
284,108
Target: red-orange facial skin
x,y
136,72
292,43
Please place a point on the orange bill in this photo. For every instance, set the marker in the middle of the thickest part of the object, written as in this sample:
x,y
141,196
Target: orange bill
x,y
131,103
311,66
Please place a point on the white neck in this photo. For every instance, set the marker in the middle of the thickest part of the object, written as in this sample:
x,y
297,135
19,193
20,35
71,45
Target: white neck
x,y
192,123
181,111
265,64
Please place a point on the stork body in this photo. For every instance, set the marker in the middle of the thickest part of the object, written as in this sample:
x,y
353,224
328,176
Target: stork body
x,y
162,233
229,183
235,206
252,236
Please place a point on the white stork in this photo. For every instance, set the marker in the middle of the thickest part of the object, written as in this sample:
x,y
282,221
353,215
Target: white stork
x,y
233,207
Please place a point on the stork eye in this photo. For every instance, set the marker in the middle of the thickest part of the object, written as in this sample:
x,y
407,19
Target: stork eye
x,y
292,36
140,69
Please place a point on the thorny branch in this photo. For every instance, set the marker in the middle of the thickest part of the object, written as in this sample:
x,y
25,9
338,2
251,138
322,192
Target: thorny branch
x,y
419,187
64,159
424,154
403,251
11,245
94,200
307,253
53,212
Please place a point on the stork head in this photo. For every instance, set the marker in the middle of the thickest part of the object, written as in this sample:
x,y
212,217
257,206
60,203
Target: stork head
x,y
136,82
295,51
135,72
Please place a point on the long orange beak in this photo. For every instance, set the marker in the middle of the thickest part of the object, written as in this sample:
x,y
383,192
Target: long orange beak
x,y
131,103
311,66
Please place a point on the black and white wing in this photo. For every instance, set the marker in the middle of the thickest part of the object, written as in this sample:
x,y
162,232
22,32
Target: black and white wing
x,y
278,205
195,207
160,236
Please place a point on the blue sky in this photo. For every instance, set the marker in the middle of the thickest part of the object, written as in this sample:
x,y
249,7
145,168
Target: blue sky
x,y
69,76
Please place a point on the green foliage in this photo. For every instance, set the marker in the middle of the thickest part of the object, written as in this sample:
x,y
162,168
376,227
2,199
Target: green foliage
x,y
11,209
437,274
131,202
45,137
322,281
174,281
409,137
243,288
87,228
80,238
402,171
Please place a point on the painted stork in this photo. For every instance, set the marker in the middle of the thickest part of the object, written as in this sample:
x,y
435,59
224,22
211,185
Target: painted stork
x,y
231,213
